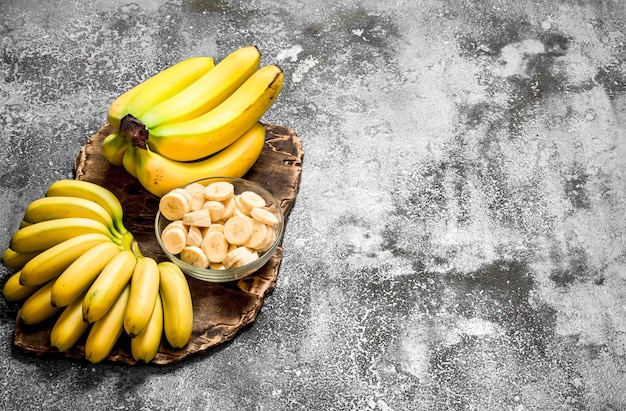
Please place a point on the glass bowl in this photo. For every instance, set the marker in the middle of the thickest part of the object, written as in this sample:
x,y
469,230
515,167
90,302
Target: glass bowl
x,y
233,273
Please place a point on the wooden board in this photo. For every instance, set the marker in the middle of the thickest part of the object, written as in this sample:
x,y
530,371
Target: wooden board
x,y
220,310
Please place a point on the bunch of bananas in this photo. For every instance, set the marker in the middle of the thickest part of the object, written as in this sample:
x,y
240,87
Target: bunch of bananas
x,y
77,265
193,120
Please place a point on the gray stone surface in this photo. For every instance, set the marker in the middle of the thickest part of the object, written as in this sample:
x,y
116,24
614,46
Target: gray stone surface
x,y
458,240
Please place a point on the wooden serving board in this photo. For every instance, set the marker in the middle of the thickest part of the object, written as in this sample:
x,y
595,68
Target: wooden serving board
x,y
220,310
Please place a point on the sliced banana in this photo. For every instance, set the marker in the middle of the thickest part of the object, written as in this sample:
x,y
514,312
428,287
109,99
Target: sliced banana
x,y
219,191
237,230
250,199
259,235
216,227
174,204
264,215
195,256
174,238
229,207
214,246
216,209
194,236
198,218
240,207
196,193
234,256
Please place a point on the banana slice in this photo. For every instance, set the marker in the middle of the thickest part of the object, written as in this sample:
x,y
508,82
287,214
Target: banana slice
x,y
198,218
195,256
246,258
237,230
250,199
216,227
217,266
194,236
241,206
219,191
259,235
233,256
264,215
214,246
175,204
229,207
216,209
269,240
196,193
174,238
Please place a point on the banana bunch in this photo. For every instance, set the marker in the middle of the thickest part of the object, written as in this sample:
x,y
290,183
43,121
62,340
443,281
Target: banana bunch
x,y
77,266
193,120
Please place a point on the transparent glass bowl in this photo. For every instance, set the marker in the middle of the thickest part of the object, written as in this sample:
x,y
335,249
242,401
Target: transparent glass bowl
x,y
234,273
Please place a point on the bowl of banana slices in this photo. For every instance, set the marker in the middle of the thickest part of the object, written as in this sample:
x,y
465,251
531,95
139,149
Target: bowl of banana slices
x,y
219,229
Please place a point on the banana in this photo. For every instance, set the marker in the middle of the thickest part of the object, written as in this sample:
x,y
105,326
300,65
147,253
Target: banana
x,y
219,191
113,148
80,274
207,134
46,234
159,175
107,287
177,304
214,246
13,260
52,208
144,289
69,327
107,330
93,192
174,204
158,87
145,346
129,160
37,308
14,291
207,92
52,262
194,255
238,229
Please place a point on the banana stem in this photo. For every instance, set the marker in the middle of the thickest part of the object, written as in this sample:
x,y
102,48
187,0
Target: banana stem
x,y
135,249
134,131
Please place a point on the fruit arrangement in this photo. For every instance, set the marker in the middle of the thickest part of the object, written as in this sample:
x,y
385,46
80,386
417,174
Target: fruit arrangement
x,y
195,119
77,265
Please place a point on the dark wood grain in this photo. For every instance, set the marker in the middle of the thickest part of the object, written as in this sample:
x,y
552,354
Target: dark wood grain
x,y
220,310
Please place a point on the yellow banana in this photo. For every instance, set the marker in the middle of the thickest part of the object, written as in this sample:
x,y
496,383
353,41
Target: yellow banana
x,y
207,134
37,308
145,346
52,262
69,327
52,208
14,291
113,148
158,87
144,288
108,285
177,304
80,274
93,192
13,260
107,330
207,92
159,175
41,236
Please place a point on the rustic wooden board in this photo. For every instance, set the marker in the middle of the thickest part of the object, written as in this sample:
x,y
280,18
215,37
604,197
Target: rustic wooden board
x,y
220,310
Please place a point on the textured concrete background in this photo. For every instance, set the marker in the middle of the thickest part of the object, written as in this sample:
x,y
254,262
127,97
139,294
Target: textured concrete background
x,y
458,240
